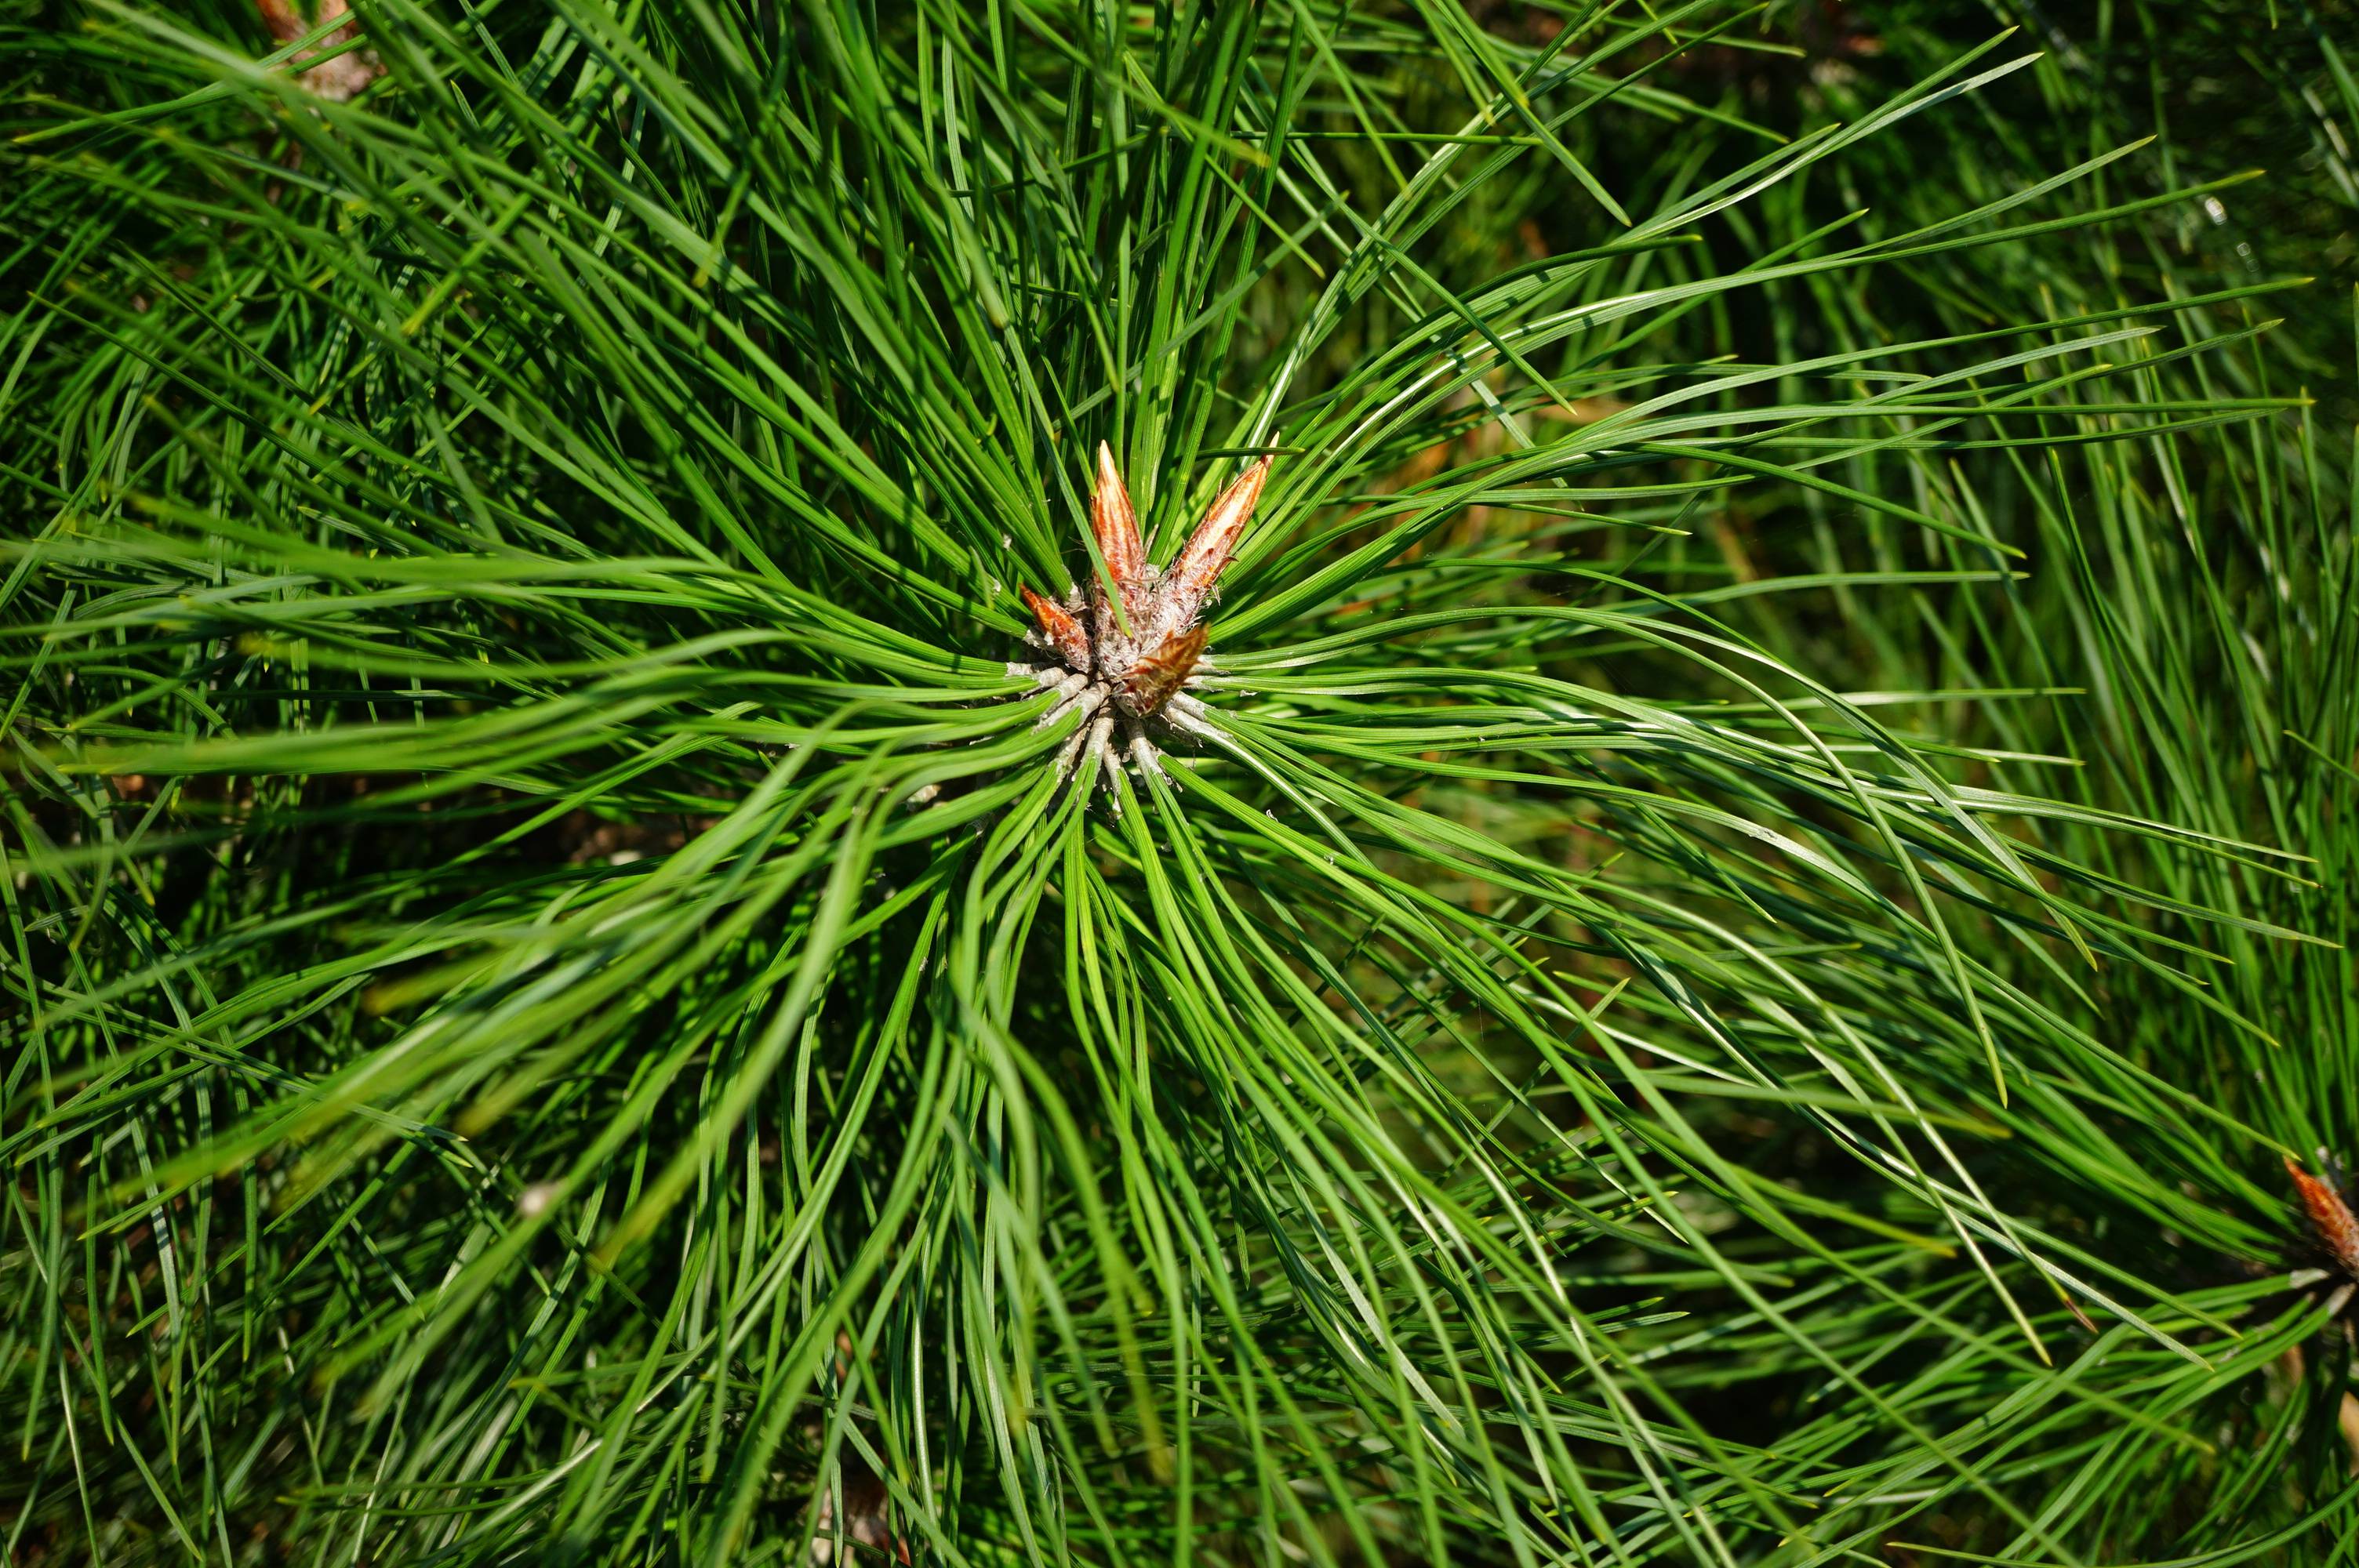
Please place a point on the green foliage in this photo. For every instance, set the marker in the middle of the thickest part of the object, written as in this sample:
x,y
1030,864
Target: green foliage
x,y
1759,905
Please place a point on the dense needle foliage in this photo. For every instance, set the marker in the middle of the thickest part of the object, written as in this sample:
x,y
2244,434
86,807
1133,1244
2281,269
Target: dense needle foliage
x,y
1729,976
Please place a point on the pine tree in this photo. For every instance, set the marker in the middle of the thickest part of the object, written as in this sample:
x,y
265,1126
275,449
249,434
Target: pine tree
x,y
1248,783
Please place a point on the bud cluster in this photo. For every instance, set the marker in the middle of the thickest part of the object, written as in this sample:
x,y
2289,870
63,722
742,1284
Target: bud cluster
x,y
1123,650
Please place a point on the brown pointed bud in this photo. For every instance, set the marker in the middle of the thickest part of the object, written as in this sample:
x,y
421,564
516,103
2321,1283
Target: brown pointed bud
x,y
1207,553
1059,631
2329,1217
1117,527
1151,679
